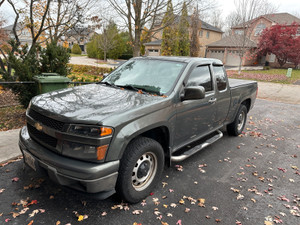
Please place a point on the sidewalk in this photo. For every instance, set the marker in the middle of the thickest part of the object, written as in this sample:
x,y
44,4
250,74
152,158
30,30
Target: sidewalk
x,y
9,145
285,93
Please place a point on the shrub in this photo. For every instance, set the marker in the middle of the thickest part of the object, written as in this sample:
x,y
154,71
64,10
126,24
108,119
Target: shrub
x,y
93,70
54,59
76,49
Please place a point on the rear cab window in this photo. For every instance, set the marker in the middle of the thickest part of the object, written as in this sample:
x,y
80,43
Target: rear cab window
x,y
221,78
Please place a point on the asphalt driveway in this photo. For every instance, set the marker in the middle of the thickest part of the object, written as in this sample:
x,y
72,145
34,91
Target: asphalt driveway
x,y
252,179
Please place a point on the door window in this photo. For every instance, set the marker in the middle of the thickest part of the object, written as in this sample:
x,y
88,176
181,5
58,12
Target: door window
x,y
200,76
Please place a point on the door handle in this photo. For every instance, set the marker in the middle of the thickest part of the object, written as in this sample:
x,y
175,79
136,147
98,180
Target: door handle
x,y
212,100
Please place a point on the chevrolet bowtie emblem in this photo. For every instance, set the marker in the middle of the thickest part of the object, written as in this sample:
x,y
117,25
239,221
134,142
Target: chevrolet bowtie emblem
x,y
38,126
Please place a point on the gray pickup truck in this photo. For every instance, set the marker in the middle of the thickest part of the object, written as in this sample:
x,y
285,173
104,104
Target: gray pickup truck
x,y
117,135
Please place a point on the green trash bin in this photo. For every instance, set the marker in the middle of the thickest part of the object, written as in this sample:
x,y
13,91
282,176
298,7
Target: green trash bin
x,y
47,82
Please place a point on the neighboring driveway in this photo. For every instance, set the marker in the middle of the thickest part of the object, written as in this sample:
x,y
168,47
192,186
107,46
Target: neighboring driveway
x,y
239,180
84,60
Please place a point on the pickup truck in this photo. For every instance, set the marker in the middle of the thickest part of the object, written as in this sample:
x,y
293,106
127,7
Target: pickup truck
x,y
117,135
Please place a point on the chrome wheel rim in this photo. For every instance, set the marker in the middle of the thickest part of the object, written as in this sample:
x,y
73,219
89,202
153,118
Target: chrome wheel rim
x,y
144,171
241,120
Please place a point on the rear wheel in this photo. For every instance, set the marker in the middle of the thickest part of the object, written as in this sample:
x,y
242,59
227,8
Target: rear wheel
x,y
140,169
237,126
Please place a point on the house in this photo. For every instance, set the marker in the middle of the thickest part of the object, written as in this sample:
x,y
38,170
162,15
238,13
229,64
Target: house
x,y
229,48
79,35
22,32
207,34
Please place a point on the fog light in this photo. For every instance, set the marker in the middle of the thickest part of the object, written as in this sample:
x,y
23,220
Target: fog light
x,y
101,152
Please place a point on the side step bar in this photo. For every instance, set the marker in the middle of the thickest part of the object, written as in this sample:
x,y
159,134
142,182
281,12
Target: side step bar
x,y
197,148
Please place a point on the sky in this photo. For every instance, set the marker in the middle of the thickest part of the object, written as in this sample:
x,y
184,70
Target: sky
x,y
226,6
289,6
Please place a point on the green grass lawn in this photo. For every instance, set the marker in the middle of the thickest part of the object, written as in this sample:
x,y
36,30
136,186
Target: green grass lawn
x,y
272,75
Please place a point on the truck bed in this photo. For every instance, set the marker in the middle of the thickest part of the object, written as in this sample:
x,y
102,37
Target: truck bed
x,y
234,83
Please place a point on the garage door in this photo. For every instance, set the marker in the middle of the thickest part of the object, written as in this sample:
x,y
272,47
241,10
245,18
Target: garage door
x,y
215,54
153,52
233,58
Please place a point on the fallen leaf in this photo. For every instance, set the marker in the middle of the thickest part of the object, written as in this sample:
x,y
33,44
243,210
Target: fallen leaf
x,y
240,197
164,223
218,220
207,217
80,218
165,206
181,201
171,190
253,200
178,222
169,214
164,184
137,212
30,223
143,203
268,223
187,210
215,208
179,168
103,213
15,179
34,212
57,222
173,205
14,214
1,190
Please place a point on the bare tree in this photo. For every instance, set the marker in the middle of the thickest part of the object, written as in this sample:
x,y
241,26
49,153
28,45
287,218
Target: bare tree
x,y
216,19
138,14
64,15
245,13
107,40
1,2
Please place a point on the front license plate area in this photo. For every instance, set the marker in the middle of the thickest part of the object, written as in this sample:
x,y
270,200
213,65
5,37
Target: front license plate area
x,y
29,160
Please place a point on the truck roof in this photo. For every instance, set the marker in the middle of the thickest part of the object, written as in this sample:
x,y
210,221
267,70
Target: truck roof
x,y
183,59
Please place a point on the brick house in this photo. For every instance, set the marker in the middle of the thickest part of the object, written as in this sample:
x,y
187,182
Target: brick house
x,y
22,32
207,34
228,48
79,35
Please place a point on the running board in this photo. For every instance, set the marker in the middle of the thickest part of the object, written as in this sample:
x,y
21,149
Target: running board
x,y
197,148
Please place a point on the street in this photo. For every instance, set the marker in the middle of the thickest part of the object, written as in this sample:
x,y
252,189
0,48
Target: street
x,y
248,180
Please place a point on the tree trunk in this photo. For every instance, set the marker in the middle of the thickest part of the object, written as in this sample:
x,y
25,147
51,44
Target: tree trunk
x,y
104,55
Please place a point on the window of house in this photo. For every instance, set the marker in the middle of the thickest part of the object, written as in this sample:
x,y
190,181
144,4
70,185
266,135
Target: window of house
x,y
207,34
201,33
220,77
239,32
200,76
298,32
259,28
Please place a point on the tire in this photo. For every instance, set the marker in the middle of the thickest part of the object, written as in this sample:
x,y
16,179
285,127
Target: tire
x,y
237,126
140,169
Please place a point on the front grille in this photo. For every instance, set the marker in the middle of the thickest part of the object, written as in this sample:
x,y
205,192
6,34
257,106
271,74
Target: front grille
x,y
41,137
57,125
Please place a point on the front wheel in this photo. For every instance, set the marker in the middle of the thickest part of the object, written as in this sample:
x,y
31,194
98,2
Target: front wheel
x,y
140,169
237,126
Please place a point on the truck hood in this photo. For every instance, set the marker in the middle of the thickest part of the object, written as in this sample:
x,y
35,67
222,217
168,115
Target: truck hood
x,y
90,103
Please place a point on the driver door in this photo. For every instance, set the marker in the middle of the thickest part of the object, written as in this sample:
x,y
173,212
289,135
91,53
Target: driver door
x,y
195,118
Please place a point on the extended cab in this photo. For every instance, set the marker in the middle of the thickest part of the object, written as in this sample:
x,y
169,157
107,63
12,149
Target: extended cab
x,y
118,134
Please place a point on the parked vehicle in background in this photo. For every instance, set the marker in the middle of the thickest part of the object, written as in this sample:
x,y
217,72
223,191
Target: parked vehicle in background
x,y
118,134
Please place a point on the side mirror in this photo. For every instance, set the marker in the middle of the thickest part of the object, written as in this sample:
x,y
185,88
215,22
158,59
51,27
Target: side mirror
x,y
193,93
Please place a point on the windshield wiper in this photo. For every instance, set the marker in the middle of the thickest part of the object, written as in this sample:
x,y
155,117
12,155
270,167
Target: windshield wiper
x,y
108,84
128,86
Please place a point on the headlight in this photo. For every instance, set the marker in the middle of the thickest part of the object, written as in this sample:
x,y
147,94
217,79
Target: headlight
x,y
91,131
84,152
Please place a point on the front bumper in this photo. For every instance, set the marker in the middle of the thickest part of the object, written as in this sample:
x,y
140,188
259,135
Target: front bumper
x,y
79,175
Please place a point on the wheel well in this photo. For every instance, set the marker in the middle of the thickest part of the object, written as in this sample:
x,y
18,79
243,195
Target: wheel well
x,y
247,103
161,135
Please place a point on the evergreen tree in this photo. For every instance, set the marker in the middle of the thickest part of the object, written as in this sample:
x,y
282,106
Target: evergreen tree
x,y
183,39
168,45
195,27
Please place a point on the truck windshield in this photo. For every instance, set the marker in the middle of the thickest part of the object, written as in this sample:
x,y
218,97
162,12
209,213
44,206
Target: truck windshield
x,y
154,76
